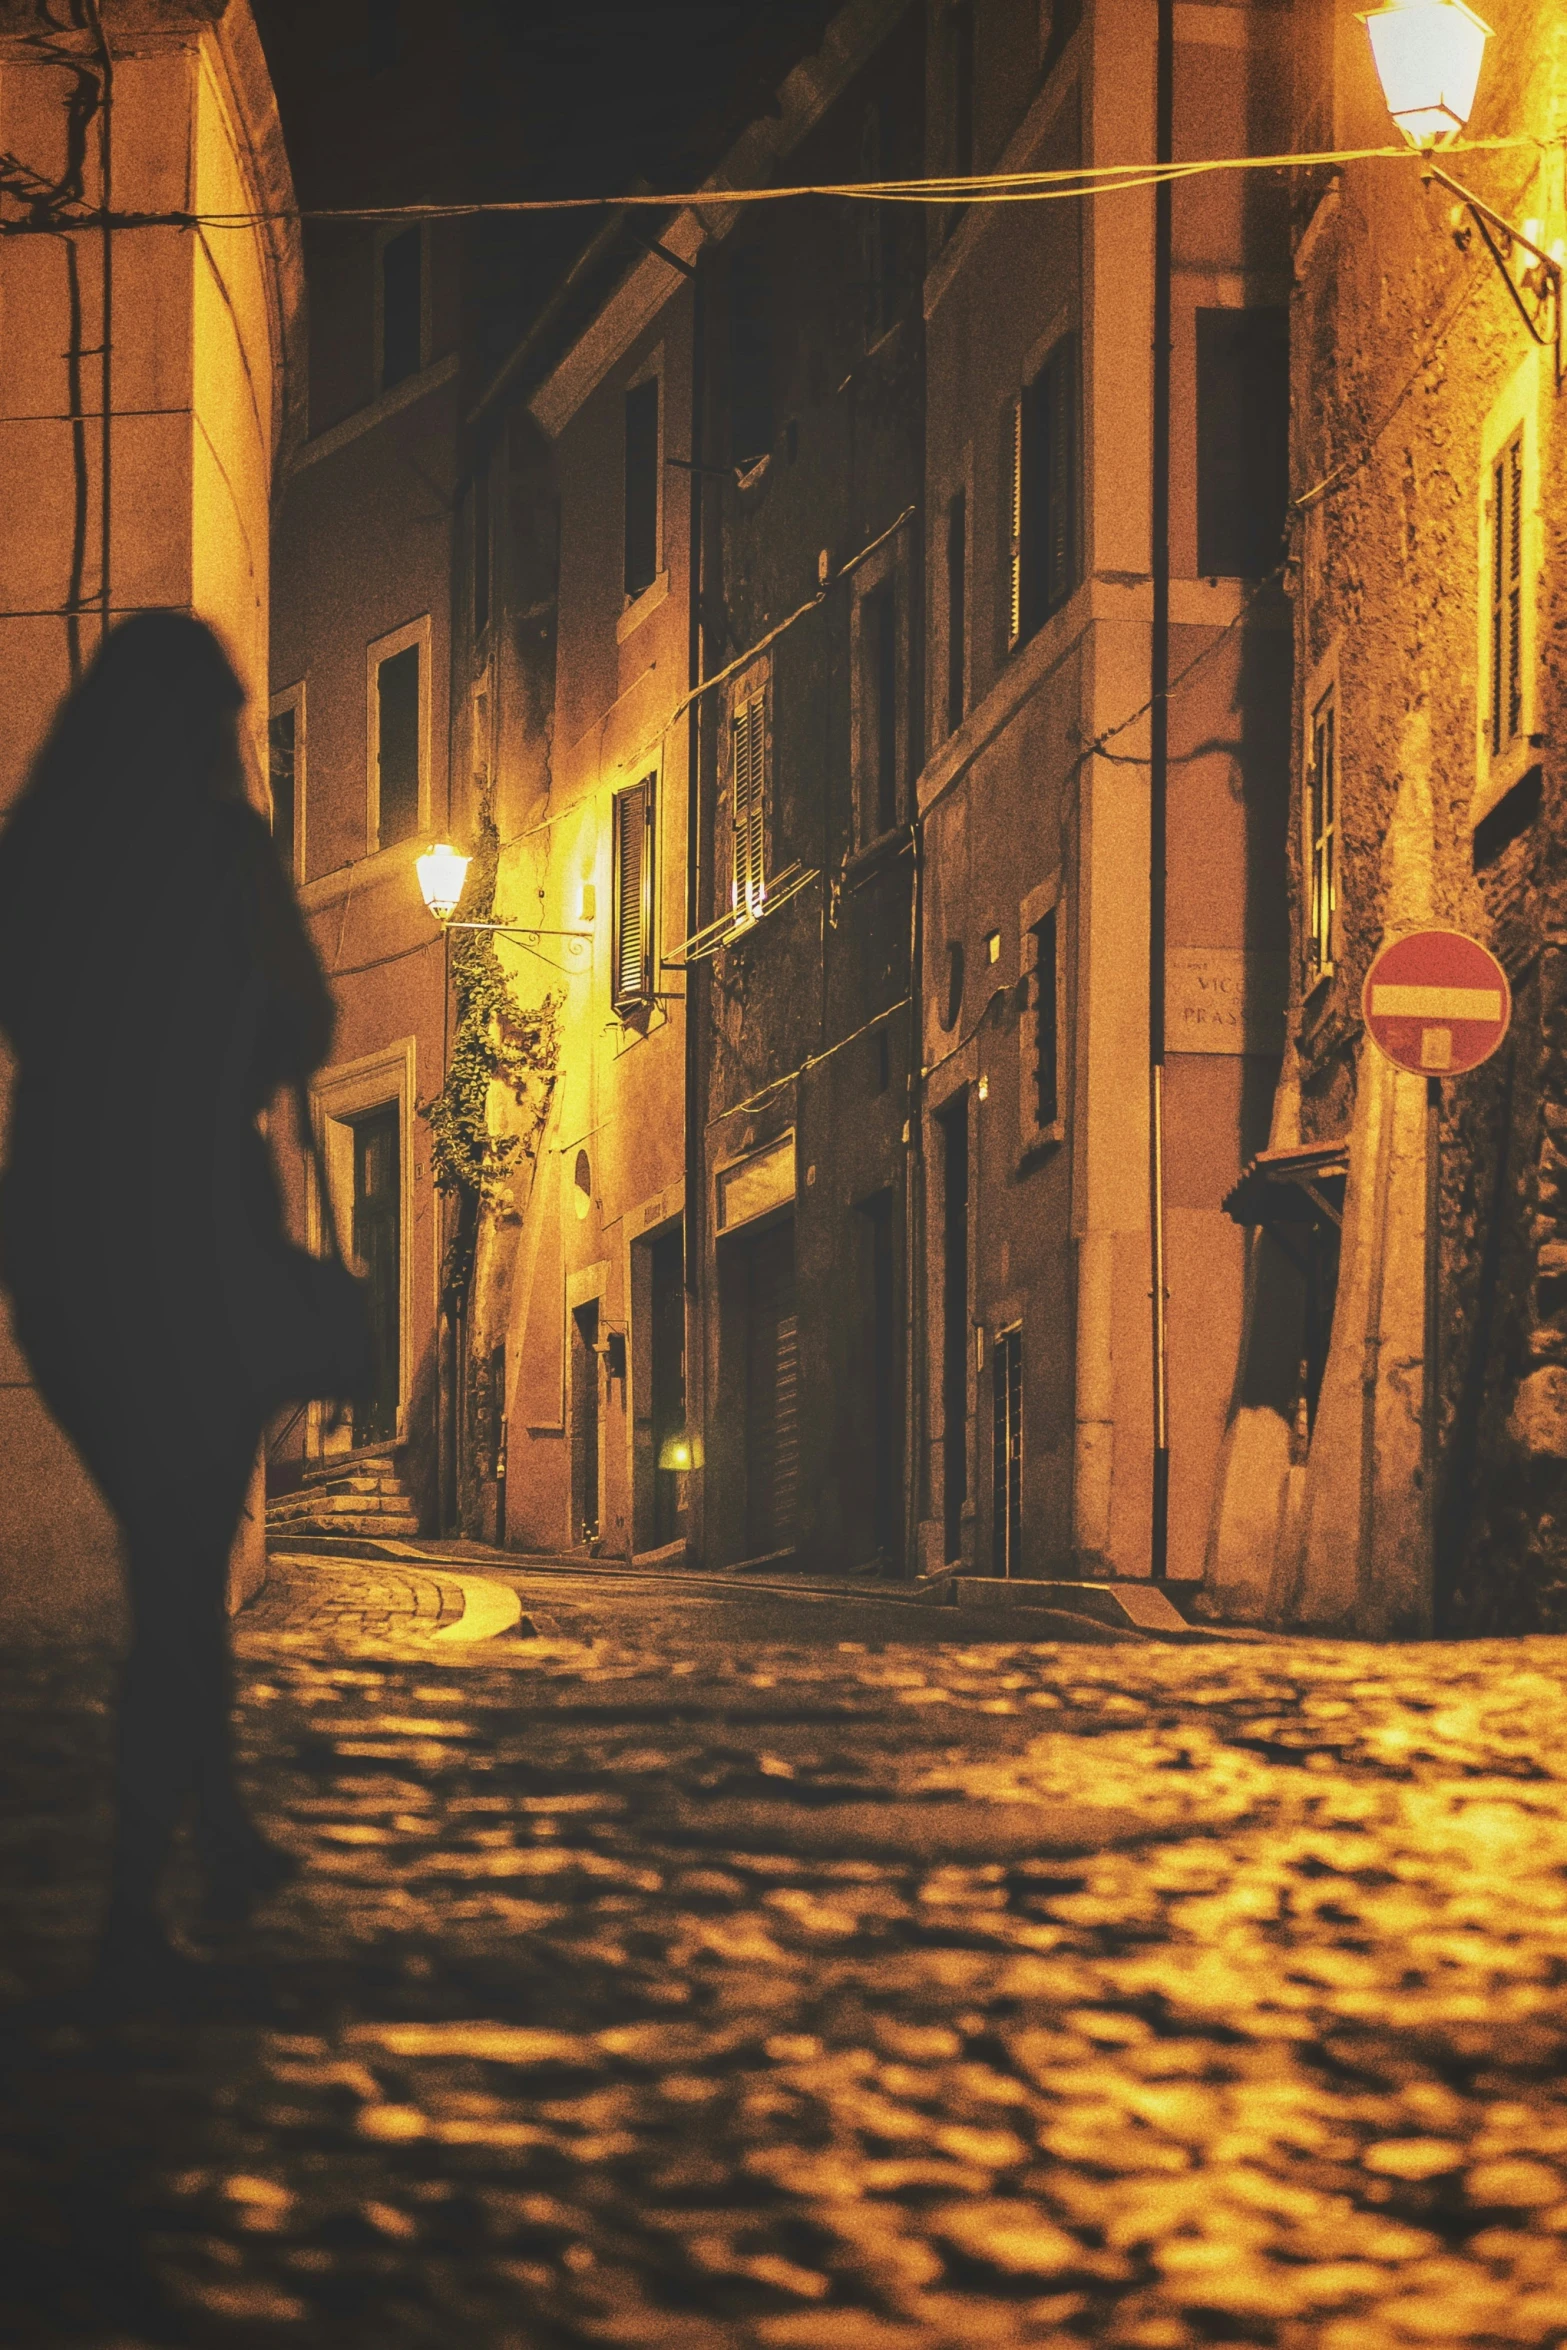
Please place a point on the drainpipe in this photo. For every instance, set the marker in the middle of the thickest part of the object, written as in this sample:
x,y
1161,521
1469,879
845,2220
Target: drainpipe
x,y
695,973
1159,779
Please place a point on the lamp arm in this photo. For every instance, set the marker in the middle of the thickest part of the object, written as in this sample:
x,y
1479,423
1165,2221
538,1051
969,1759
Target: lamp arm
x,y
1492,226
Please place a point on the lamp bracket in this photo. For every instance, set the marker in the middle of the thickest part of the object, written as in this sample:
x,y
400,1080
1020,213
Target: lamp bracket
x,y
1541,281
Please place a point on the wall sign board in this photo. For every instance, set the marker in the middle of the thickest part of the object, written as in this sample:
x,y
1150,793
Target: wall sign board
x,y
761,1181
1221,1000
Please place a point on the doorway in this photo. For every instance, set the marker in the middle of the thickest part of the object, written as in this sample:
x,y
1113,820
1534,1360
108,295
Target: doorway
x,y
954,1322
1006,1502
585,1408
377,1243
669,1382
772,1390
879,1417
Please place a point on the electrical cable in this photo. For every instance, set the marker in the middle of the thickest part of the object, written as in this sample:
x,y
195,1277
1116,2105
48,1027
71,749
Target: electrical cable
x,y
979,188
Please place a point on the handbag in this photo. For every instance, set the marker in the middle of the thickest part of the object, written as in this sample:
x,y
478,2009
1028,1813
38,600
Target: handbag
x,y
301,1323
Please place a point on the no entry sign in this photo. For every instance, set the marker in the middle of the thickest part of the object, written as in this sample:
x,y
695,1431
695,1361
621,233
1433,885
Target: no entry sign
x,y
1436,1003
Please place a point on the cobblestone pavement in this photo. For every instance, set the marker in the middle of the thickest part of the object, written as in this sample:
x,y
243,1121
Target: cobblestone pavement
x,y
715,1970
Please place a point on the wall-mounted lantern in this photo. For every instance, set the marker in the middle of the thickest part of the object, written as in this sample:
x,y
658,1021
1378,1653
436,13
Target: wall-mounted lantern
x,y
1427,55
442,871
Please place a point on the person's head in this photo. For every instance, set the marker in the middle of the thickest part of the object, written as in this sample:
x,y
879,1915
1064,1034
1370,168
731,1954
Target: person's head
x,y
155,717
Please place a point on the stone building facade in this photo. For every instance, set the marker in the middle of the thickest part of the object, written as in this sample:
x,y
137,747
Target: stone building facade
x,y
1405,1438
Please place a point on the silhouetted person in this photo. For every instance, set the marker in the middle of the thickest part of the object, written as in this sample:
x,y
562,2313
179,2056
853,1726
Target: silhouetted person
x,y
144,918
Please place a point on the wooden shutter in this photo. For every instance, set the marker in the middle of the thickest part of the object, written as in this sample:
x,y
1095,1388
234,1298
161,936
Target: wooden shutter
x,y
750,802
1015,527
1058,476
634,896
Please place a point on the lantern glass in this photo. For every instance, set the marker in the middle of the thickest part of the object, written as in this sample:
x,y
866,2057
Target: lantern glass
x,y
442,872
1427,55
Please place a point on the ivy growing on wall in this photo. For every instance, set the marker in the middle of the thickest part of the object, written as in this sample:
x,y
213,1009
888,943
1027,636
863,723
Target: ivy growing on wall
x,y
494,1037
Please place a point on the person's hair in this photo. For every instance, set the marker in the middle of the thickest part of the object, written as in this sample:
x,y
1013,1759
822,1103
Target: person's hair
x,y
151,717
147,734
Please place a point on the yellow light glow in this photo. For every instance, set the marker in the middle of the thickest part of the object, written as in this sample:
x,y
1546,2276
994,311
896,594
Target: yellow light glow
x,y
675,1452
442,872
1427,55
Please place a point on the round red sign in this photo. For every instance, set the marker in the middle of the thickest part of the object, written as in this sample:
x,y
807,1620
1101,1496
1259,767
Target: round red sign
x,y
1437,1003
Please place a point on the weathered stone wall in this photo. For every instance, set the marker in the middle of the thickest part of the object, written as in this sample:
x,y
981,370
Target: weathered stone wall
x,y
1410,357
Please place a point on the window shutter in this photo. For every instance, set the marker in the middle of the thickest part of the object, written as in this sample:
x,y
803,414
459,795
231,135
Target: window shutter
x,y
634,896
750,798
1058,469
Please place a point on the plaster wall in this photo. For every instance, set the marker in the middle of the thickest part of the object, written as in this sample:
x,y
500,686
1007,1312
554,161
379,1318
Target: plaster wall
x,y
200,403
1016,815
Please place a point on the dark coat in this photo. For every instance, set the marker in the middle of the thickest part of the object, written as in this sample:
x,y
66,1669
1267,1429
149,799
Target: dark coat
x,y
128,1103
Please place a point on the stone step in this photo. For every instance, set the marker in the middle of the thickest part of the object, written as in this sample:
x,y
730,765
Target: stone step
x,y
305,1504
353,1487
403,1523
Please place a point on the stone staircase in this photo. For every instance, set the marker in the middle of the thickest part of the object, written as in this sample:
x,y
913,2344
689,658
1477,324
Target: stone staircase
x,y
356,1496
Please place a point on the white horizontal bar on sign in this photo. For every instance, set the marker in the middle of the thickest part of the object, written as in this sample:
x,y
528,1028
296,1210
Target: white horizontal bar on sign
x,y
1436,1003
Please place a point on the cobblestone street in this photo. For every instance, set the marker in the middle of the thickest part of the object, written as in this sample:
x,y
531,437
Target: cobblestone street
x,y
697,1967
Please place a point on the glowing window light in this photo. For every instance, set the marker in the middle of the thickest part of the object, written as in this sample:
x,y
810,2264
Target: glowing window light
x,y
1427,55
442,872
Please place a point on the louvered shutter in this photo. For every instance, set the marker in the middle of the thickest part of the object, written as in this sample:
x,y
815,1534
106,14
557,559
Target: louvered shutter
x,y
750,803
1059,468
634,896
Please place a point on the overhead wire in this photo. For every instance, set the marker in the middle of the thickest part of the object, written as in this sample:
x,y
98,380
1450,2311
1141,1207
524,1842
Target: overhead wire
x,y
1066,183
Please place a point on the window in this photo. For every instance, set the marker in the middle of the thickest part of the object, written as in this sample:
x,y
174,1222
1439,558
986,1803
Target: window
x,y
481,551
1242,441
286,773
748,730
1006,1451
397,731
402,307
879,682
1042,522
752,424
1040,1029
642,486
634,897
1322,840
1506,597
957,608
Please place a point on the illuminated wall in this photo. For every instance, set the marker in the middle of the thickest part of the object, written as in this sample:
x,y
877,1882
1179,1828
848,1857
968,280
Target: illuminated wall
x,y
201,325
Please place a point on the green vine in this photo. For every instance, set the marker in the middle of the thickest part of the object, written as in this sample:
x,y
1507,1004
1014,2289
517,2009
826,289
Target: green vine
x,y
495,1038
